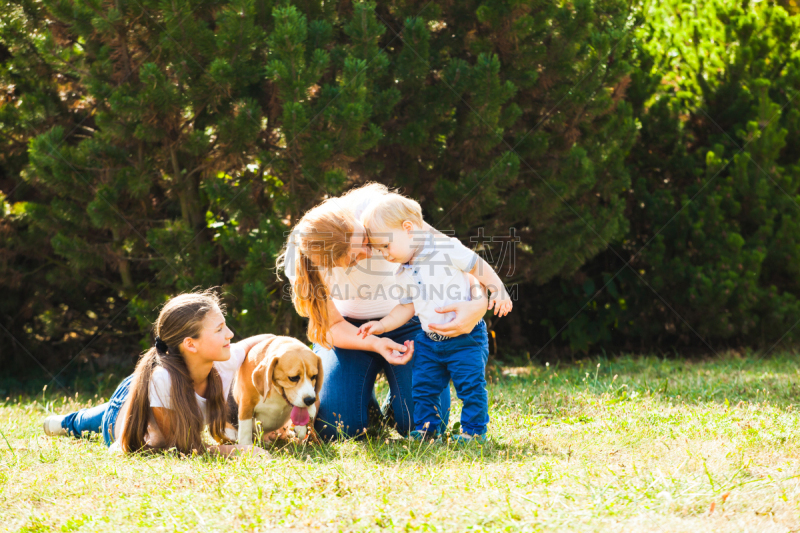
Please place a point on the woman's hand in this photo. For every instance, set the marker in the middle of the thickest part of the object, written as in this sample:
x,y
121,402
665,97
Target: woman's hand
x,y
395,354
468,314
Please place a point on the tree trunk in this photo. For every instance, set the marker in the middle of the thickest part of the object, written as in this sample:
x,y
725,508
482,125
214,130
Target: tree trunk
x,y
123,265
187,194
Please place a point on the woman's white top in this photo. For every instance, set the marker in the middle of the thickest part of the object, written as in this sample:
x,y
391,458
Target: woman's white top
x,y
160,393
362,291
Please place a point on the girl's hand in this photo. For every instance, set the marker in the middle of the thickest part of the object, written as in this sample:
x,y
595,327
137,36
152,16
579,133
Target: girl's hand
x,y
395,354
374,327
227,450
253,450
501,302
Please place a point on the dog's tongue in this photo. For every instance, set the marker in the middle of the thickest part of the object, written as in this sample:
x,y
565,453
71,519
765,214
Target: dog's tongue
x,y
299,416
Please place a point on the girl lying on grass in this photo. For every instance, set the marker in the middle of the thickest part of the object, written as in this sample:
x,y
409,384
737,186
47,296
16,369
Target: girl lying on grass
x,y
179,386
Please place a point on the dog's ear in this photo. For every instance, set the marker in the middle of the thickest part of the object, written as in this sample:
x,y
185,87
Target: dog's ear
x,y
262,376
320,375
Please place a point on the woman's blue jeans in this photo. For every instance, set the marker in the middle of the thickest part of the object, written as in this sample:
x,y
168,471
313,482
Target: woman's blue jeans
x,y
100,419
349,383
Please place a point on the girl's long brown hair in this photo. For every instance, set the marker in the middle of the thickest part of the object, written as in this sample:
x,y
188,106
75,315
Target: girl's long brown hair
x,y
180,317
317,243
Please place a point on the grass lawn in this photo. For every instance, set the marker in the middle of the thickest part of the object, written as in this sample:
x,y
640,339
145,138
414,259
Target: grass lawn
x,y
636,444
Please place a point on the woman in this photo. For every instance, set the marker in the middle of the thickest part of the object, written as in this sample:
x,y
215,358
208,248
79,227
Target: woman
x,y
338,284
179,386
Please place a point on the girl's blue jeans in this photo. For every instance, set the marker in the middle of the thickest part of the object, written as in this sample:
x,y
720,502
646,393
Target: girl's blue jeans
x,y
349,383
100,419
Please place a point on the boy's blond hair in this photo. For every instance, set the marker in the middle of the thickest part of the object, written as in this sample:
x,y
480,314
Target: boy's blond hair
x,y
389,212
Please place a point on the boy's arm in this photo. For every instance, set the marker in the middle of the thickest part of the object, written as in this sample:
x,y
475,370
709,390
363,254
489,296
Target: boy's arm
x,y
398,316
484,273
343,334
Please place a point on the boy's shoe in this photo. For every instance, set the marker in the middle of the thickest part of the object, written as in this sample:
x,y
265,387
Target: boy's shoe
x,y
52,426
466,438
422,435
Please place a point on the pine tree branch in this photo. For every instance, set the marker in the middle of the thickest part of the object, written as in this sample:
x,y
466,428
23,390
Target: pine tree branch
x,y
123,36
11,140
198,169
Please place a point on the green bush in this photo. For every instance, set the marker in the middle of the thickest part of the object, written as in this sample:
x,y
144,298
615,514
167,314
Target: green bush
x,y
711,256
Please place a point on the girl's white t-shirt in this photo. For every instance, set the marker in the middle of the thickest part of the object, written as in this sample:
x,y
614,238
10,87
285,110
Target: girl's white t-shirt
x,y
365,290
160,392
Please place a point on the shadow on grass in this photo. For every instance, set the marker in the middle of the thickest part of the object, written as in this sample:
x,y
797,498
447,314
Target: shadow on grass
x,y
409,451
733,377
382,445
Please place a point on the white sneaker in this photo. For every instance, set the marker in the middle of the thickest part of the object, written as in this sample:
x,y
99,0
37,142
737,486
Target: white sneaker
x,y
52,426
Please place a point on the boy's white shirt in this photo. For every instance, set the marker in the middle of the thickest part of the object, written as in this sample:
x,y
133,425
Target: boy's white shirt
x,y
436,277
160,393
361,291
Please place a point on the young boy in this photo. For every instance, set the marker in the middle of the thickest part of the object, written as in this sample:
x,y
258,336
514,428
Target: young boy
x,y
433,273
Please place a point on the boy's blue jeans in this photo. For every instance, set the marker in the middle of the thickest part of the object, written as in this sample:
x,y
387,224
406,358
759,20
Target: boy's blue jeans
x,y
349,382
99,419
462,359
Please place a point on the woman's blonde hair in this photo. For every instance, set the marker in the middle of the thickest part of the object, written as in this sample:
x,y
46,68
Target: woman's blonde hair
x,y
181,317
390,212
318,242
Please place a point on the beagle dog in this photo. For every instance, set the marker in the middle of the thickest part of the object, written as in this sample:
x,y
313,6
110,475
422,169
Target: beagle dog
x,y
279,380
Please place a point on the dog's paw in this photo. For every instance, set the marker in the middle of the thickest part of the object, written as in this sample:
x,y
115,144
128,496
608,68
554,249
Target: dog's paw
x,y
270,437
283,434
